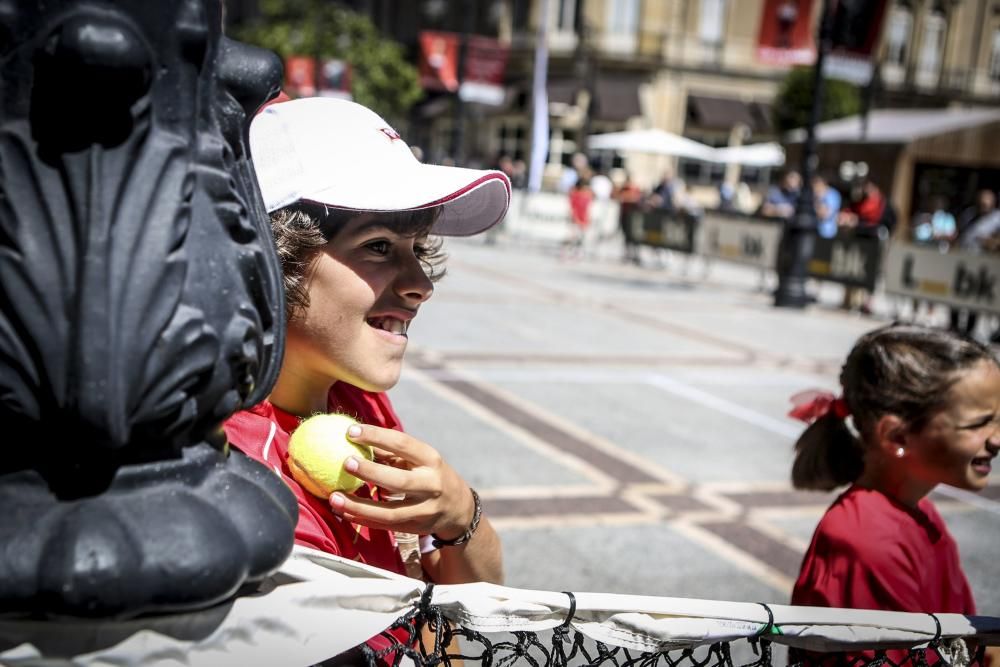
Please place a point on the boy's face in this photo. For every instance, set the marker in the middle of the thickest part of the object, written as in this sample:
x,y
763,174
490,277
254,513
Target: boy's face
x,y
364,288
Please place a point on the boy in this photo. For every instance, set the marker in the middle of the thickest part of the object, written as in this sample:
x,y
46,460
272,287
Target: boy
x,y
351,210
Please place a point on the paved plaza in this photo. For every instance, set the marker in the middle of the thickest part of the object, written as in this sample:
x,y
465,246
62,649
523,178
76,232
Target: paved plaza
x,y
626,425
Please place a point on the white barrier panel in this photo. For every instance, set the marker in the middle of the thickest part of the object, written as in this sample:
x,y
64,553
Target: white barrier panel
x,y
959,279
546,216
739,240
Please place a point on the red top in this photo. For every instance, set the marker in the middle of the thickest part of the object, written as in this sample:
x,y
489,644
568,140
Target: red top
x,y
871,552
262,433
579,205
869,209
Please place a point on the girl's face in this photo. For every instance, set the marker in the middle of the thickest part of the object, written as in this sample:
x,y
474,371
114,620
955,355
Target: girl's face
x,y
364,288
958,444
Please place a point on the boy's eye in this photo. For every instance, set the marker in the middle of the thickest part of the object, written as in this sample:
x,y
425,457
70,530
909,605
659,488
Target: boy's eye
x,y
380,247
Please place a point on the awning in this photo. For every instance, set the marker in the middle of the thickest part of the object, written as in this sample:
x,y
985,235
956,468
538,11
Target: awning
x,y
616,98
562,91
721,113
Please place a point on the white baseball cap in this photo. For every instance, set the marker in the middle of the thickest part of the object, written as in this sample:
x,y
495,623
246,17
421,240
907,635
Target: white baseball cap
x,y
344,155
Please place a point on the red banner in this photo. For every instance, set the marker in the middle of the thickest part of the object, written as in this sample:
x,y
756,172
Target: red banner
x,y
786,33
485,60
300,76
856,28
439,60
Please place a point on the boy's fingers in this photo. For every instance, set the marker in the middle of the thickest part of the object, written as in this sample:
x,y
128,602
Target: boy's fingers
x,y
370,512
382,476
389,440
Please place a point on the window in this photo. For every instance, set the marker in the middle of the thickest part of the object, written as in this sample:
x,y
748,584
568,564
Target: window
x,y
931,47
899,33
622,24
562,25
566,15
511,138
711,25
995,56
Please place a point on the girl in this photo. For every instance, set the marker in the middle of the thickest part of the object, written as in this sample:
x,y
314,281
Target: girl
x,y
351,209
925,407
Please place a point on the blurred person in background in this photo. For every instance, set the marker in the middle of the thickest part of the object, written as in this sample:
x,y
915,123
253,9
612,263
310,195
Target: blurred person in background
x,y
827,201
867,214
980,232
629,197
980,223
937,225
579,168
781,199
665,193
580,199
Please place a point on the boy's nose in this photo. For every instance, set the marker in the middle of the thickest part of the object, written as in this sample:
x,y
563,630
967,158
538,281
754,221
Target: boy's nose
x,y
413,283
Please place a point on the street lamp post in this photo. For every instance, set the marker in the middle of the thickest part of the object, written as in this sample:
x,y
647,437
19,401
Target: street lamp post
x,y
799,234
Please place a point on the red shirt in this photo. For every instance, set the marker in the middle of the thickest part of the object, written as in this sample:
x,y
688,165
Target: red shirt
x,y
871,552
579,206
869,209
262,433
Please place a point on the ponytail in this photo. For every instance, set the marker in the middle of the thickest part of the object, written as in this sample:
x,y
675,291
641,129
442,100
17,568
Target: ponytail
x,y
827,455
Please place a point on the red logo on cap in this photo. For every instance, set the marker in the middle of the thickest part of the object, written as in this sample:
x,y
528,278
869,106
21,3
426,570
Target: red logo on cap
x,y
389,132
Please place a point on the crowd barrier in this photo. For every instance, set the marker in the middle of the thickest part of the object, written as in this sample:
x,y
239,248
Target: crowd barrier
x,y
847,259
958,279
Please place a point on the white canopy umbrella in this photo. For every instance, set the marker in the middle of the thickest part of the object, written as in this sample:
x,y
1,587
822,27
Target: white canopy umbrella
x,y
654,141
752,155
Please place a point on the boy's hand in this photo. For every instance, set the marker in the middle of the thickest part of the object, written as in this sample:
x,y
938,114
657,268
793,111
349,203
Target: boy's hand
x,y
437,500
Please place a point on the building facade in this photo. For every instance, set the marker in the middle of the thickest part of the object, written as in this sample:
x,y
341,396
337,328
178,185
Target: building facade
x,y
687,66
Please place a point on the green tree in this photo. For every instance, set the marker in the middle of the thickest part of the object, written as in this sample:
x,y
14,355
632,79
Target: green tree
x,y
381,77
793,104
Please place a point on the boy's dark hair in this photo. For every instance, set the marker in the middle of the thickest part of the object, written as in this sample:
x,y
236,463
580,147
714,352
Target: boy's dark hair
x,y
900,370
301,229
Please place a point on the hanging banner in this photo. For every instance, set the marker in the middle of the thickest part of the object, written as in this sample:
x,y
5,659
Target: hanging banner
x,y
300,76
786,33
335,79
439,60
482,75
485,67
856,28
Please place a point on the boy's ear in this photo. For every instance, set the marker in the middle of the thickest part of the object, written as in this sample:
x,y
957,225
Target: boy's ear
x,y
890,434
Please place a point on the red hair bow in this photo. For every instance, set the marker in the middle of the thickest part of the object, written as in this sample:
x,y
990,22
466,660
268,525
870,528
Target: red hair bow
x,y
812,404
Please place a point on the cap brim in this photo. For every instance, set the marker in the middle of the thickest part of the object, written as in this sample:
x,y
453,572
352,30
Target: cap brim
x,y
471,200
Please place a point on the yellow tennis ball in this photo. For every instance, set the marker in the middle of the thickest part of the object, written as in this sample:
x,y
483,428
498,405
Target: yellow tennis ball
x,y
317,451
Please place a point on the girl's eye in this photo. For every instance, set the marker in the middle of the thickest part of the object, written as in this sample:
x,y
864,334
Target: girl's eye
x,y
980,423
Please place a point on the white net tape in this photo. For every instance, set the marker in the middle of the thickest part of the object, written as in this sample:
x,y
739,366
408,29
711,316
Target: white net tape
x,y
319,606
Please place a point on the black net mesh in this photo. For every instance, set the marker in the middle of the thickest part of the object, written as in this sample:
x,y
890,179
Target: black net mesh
x,y
424,637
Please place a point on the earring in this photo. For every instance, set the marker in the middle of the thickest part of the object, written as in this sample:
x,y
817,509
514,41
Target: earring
x,y
899,452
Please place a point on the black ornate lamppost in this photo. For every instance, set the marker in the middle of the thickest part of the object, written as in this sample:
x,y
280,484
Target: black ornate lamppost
x,y
799,235
140,305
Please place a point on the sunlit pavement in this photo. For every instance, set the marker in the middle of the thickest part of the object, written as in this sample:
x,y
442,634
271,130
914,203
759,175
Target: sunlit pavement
x,y
626,425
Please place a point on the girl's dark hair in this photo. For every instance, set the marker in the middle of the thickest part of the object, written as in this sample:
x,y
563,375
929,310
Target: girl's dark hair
x,y
901,370
301,229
